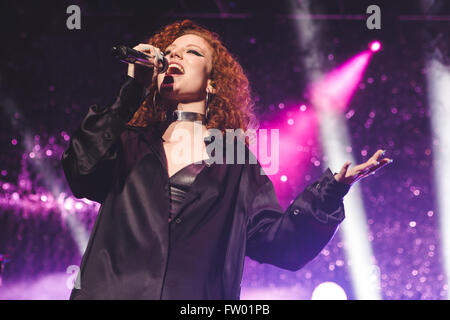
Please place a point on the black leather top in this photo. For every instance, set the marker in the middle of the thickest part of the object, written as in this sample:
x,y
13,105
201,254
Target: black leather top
x,y
180,183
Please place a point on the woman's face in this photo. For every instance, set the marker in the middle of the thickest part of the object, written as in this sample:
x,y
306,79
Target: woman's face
x,y
190,64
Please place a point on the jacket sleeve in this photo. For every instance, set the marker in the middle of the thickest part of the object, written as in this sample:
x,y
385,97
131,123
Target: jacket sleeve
x,y
290,239
93,149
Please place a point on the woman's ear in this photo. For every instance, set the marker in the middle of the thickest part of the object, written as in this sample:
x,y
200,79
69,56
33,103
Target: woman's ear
x,y
210,88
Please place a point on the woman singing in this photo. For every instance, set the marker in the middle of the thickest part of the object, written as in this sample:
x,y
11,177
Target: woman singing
x,y
173,225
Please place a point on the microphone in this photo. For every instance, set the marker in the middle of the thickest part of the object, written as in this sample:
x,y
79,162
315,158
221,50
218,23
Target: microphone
x,y
128,55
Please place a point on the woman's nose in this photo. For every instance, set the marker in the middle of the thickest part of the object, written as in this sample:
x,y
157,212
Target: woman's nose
x,y
175,53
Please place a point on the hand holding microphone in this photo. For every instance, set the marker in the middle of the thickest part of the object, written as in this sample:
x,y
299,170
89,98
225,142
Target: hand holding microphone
x,y
144,62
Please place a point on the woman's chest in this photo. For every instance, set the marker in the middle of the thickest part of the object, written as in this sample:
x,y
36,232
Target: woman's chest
x,y
179,155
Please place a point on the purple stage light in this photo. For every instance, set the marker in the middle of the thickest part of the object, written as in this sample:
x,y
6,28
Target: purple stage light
x,y
298,136
375,46
46,287
280,292
329,291
334,91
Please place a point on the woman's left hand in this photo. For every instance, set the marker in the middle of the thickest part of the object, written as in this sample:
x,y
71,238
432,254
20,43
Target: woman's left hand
x,y
352,175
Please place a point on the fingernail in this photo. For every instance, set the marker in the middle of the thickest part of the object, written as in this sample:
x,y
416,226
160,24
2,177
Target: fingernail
x,y
391,160
383,153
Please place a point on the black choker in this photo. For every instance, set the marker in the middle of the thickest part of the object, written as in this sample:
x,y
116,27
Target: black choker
x,y
185,115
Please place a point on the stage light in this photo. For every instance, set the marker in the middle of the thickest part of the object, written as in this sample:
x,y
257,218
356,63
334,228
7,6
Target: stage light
x,y
439,96
375,46
329,291
46,287
330,95
295,132
68,204
334,90
354,229
51,181
295,292
335,140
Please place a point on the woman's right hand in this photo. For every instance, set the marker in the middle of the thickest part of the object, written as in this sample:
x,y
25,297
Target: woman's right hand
x,y
144,75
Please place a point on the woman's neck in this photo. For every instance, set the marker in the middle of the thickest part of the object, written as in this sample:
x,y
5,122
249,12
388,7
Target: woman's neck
x,y
181,127
198,106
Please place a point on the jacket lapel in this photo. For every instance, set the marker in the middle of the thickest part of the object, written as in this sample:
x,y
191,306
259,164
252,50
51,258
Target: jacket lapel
x,y
205,185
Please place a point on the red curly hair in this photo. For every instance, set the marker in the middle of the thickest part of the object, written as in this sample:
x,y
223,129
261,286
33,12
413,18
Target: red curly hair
x,y
231,107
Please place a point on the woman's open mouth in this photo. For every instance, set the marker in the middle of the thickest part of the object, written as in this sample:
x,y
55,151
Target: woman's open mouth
x,y
175,69
167,81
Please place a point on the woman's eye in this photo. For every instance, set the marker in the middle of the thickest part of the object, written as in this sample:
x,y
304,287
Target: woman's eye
x,y
195,52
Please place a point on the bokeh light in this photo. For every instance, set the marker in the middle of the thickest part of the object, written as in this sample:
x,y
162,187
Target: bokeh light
x,y
329,291
375,46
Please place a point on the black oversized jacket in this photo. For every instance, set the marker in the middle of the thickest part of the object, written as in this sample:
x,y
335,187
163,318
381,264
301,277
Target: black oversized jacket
x,y
231,210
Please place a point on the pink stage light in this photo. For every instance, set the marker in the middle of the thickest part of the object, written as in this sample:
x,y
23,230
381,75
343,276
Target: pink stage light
x,y
334,91
47,287
375,46
295,148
